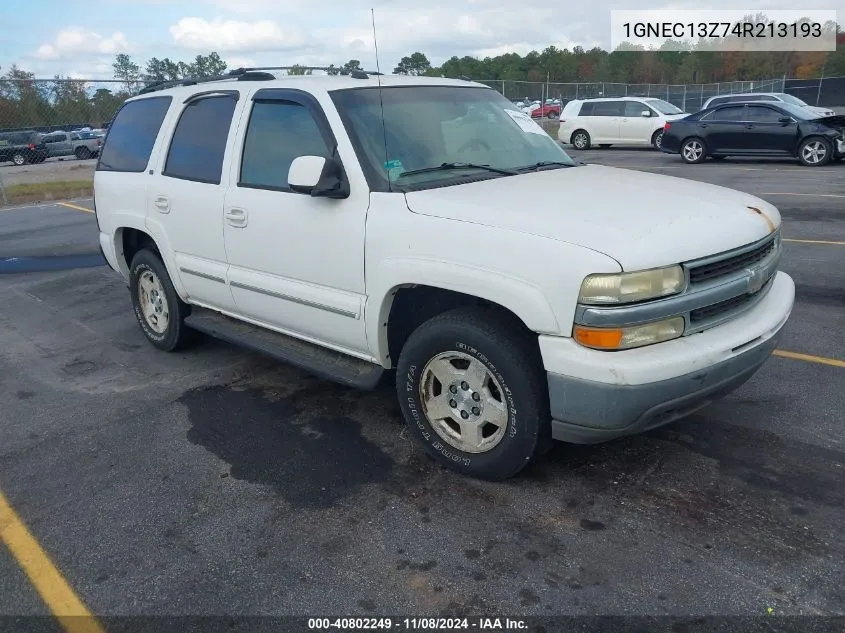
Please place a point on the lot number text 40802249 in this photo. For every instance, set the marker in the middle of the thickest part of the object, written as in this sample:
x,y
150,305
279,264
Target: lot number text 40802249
x,y
417,624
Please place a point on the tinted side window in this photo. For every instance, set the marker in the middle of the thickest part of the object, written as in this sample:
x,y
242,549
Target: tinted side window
x,y
763,114
586,109
635,108
133,134
199,141
718,101
609,108
278,132
730,113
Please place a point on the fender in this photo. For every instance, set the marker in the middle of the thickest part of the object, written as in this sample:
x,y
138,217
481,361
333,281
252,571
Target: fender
x,y
521,297
155,230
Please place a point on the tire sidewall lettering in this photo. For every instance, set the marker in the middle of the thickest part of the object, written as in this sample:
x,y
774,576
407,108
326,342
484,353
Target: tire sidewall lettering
x,y
148,331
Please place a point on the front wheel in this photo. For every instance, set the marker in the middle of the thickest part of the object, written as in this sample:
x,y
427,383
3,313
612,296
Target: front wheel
x,y
473,391
19,159
692,151
83,153
814,152
159,310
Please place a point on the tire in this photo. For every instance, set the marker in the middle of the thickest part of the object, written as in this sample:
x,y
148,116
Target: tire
x,y
551,115
147,266
657,139
19,159
83,153
815,152
580,139
693,151
509,384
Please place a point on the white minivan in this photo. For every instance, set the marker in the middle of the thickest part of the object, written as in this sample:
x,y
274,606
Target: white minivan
x,y
616,121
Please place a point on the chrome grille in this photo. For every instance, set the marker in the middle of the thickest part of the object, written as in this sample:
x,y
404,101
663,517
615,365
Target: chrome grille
x,y
714,268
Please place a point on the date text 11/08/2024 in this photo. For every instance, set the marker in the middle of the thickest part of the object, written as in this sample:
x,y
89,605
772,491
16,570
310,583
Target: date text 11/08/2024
x,y
416,624
753,30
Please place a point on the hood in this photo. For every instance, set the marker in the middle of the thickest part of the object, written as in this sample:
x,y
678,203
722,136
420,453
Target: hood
x,y
675,117
641,220
837,121
822,111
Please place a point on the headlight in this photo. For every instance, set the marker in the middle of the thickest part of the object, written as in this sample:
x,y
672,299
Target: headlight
x,y
629,337
619,288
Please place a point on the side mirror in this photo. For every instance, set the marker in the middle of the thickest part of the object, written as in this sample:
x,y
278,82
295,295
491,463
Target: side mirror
x,y
645,113
785,119
317,176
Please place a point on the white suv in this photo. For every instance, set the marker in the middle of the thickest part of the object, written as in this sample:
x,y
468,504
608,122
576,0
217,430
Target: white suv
x,y
616,121
363,229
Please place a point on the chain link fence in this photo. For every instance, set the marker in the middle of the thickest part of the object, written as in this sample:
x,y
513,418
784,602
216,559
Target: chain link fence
x,y
688,97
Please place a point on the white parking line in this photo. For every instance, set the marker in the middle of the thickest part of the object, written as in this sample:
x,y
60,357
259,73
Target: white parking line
x,y
815,195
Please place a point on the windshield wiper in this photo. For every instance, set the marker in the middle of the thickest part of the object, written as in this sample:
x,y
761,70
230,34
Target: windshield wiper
x,y
545,163
456,166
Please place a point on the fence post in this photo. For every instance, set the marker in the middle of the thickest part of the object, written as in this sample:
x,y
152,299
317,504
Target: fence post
x,y
684,105
3,192
503,88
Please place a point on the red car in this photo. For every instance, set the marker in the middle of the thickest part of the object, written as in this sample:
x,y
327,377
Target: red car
x,y
549,110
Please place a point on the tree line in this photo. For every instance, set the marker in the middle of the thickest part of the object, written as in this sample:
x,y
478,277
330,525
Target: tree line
x,y
26,101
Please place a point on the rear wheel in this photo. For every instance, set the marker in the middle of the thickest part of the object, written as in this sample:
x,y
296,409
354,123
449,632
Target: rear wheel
x,y
159,310
814,152
580,139
552,115
693,151
473,391
657,139
83,153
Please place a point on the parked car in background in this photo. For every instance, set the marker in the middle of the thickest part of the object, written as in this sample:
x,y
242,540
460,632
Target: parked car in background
x,y
616,121
779,97
547,111
21,148
83,145
756,129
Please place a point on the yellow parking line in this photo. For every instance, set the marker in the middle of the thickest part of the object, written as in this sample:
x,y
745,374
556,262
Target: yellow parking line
x,y
821,360
815,242
75,206
47,580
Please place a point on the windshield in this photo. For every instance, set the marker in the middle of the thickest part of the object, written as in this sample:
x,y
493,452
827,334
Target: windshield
x,y
793,100
442,126
664,107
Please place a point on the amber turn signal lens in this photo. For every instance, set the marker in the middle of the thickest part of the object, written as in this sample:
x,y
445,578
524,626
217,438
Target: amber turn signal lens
x,y
601,338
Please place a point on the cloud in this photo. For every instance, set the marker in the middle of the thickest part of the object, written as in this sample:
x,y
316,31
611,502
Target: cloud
x,y
221,35
75,41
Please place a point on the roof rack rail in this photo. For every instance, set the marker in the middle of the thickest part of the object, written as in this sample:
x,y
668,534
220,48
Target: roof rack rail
x,y
257,73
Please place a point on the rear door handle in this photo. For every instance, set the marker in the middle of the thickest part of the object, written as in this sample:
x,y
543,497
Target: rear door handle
x,y
749,127
236,217
702,125
162,204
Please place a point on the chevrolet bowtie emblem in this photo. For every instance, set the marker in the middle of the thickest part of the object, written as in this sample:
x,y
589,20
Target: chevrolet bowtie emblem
x,y
756,280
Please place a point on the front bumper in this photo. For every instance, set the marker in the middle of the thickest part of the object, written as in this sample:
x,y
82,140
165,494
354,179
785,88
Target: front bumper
x,y
597,396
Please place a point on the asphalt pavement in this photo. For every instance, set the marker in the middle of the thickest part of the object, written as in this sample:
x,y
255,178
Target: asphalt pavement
x,y
216,481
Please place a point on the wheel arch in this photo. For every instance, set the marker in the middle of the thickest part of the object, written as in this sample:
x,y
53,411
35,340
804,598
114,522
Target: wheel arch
x,y
405,304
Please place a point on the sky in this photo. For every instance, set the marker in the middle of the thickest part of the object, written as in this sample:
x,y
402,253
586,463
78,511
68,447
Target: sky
x,y
79,38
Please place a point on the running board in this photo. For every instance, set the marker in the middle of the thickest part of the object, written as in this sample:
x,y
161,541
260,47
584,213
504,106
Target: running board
x,y
318,360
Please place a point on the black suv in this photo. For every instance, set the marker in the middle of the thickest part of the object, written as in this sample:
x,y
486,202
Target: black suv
x,y
22,147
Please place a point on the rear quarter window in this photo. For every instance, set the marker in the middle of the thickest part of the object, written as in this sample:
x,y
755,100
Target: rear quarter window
x,y
133,134
586,109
